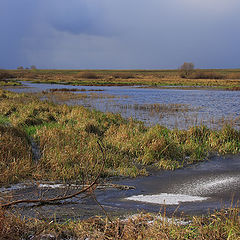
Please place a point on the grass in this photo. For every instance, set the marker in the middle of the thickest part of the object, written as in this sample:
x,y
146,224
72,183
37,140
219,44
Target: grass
x,y
159,108
224,224
220,78
16,155
67,136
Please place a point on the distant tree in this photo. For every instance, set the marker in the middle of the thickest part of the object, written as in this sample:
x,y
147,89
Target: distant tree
x,y
186,69
33,67
26,68
20,68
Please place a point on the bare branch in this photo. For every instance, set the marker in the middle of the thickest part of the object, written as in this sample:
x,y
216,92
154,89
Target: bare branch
x,y
49,200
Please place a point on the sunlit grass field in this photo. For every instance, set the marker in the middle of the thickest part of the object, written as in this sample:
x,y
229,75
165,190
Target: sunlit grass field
x,y
221,78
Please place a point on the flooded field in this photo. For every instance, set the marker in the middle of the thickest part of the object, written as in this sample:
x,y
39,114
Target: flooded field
x,y
212,108
196,189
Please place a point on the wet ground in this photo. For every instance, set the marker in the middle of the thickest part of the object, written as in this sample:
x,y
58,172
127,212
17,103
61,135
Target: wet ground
x,y
198,189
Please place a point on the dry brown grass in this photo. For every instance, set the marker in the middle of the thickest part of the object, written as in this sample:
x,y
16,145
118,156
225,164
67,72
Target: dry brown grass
x,y
220,225
11,227
211,78
15,155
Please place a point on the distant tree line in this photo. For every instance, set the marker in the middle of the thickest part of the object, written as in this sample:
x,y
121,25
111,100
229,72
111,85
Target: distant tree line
x,y
32,67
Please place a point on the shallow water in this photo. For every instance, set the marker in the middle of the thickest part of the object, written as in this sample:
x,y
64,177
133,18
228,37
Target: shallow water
x,y
209,107
198,189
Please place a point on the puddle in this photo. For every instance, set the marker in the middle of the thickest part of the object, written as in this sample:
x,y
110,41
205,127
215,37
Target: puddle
x,y
194,190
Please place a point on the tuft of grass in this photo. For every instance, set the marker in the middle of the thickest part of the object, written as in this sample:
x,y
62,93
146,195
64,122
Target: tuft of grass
x,y
4,120
15,155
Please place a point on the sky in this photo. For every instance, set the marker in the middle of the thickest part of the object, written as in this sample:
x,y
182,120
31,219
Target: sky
x,y
119,34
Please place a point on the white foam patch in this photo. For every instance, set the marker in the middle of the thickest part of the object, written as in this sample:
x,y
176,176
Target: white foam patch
x,y
51,186
166,198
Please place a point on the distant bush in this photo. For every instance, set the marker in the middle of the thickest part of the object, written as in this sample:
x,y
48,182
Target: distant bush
x,y
33,67
206,75
124,75
5,75
186,69
88,75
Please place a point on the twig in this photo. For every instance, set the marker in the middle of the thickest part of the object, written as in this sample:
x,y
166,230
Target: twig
x,y
49,200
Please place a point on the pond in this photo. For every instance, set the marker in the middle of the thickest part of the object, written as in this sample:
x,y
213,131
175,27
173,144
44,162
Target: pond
x,y
173,108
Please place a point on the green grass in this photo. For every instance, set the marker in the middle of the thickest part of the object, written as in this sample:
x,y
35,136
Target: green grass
x,y
4,119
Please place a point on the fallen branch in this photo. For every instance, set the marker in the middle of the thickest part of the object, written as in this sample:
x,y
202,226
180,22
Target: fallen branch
x,y
49,200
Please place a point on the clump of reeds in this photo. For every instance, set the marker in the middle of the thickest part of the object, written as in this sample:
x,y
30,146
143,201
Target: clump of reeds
x,y
52,90
62,90
158,107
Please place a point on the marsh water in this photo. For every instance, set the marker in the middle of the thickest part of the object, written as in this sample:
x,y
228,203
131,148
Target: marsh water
x,y
197,189
212,108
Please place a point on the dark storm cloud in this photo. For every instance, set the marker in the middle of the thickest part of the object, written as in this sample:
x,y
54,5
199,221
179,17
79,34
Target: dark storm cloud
x,y
119,34
78,17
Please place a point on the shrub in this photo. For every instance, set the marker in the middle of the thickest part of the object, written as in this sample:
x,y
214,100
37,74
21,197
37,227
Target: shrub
x,y
88,75
123,75
205,75
186,69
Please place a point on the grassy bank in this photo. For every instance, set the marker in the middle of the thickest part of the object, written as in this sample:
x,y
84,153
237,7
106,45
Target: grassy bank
x,y
221,78
67,137
220,225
